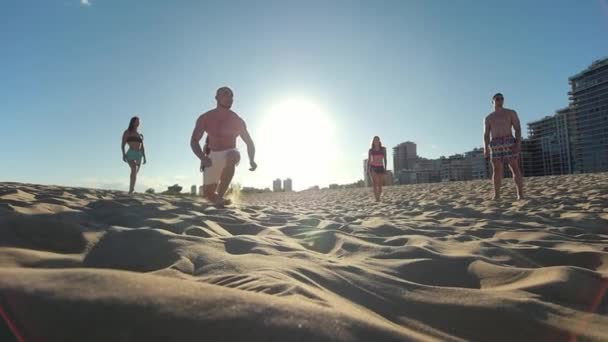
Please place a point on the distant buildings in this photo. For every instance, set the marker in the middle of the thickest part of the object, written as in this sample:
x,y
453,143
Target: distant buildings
x,y
282,186
366,179
404,156
193,190
455,168
575,138
588,118
405,176
427,170
287,185
276,185
547,149
480,166
388,177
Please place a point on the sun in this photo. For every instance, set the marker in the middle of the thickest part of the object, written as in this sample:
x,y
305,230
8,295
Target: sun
x,y
297,141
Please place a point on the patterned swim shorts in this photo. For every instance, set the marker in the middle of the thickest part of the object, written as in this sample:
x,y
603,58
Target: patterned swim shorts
x,y
503,149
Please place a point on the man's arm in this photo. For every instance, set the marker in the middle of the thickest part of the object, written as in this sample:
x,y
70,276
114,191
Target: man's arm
x,y
250,146
486,135
197,135
517,127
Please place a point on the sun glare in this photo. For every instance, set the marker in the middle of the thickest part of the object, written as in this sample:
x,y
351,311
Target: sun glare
x,y
297,141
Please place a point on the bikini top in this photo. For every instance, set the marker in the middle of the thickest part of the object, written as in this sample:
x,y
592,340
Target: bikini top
x,y
135,138
376,157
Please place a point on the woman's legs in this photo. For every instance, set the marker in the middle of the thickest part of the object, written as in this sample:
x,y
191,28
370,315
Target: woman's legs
x,y
376,181
372,177
134,169
380,182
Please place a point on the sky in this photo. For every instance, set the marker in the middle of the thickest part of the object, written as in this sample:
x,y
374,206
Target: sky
x,y
314,80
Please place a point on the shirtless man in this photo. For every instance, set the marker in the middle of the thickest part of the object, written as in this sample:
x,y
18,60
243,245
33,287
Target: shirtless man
x,y
223,126
503,147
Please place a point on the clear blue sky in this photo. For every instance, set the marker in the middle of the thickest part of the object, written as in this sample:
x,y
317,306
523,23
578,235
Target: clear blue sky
x,y
73,72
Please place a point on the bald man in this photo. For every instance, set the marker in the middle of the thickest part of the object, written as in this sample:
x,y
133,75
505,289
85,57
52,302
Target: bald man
x,y
223,126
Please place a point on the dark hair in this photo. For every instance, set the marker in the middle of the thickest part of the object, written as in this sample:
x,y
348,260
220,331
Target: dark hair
x,y
497,95
132,124
379,143
222,90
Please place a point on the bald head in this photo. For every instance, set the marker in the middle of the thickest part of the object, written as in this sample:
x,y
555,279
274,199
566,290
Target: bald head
x,y
223,90
224,97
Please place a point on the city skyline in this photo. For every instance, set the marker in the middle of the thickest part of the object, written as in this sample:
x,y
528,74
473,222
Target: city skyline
x,y
313,96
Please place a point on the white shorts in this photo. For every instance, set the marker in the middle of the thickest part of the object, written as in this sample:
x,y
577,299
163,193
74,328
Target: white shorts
x,y
212,173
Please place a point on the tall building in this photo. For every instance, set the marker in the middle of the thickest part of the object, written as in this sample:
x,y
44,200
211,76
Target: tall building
x,y
588,121
529,156
276,185
368,181
547,150
427,170
388,177
193,190
404,156
480,166
563,118
455,168
287,185
405,176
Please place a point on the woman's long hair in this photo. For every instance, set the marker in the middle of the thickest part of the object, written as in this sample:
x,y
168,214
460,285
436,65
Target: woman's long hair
x,y
379,144
132,124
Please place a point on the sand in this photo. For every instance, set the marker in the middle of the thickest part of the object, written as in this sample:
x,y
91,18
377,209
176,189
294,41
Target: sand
x,y
430,262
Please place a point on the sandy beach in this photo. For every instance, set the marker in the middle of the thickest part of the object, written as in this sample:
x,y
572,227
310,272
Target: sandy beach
x,y
430,262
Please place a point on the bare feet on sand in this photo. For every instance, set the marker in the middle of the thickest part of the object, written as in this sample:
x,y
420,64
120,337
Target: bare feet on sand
x,y
497,197
218,201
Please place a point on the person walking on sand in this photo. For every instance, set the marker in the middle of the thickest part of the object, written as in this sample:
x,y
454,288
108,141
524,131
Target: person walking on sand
x,y
376,166
501,146
223,126
136,151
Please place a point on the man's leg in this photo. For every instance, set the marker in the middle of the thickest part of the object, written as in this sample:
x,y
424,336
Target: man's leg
x,y
497,172
232,159
209,191
517,177
210,182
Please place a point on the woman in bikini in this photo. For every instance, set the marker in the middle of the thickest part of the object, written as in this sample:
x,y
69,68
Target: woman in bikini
x,y
136,151
376,166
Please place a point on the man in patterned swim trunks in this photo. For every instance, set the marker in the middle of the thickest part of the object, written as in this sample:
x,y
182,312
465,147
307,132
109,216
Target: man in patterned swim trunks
x,y
501,146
